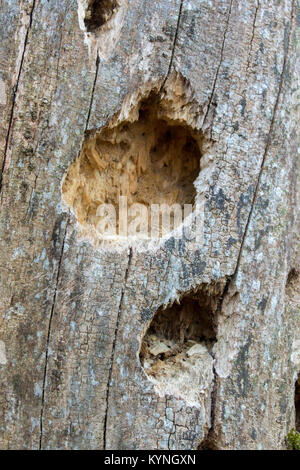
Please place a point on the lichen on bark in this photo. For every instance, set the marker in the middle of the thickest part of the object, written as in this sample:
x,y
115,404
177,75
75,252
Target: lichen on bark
x,y
74,314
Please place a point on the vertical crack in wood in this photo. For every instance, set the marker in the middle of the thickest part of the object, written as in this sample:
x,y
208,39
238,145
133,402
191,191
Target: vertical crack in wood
x,y
114,346
267,144
93,91
174,46
208,439
252,36
213,402
49,334
14,97
220,63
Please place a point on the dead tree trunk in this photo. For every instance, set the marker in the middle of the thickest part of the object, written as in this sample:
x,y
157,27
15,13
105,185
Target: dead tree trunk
x,y
130,343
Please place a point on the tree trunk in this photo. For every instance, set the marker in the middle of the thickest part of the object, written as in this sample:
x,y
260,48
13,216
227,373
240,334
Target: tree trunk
x,y
173,343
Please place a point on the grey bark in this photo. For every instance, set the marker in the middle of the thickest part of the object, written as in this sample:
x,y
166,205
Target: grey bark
x,y
73,313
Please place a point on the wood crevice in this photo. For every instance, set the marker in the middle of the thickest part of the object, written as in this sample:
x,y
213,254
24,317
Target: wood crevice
x,y
49,335
269,136
93,92
208,443
220,63
14,96
112,356
174,47
252,36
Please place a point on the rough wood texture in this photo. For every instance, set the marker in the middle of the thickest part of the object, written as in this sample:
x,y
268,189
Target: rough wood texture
x,y
74,312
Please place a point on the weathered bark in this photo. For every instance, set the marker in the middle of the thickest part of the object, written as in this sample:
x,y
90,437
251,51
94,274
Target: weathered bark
x,y
74,312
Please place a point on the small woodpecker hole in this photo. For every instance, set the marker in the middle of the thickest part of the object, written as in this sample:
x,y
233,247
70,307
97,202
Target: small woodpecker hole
x,y
98,13
176,348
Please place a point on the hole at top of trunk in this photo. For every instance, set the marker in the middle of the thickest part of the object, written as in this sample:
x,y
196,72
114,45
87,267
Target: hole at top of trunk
x,y
98,13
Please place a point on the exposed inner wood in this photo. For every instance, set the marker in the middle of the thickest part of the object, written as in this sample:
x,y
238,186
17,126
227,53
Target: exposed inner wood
x,y
176,347
153,160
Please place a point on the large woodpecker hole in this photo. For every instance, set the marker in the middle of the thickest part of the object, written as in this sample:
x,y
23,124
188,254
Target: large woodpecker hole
x,y
151,159
98,13
176,348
